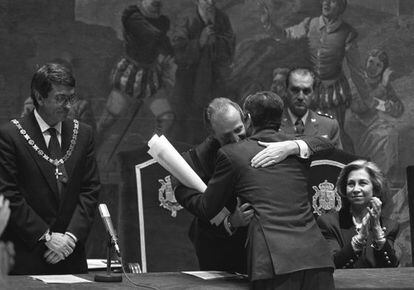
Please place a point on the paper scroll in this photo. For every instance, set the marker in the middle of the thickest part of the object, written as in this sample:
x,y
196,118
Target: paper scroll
x,y
166,155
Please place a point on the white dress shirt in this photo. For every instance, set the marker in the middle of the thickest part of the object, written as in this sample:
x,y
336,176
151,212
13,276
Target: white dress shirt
x,y
44,128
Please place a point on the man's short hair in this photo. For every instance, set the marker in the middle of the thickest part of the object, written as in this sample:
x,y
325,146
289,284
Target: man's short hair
x,y
301,71
265,109
220,105
48,74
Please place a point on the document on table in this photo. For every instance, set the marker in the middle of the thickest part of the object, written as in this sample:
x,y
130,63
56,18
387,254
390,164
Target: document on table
x,y
60,279
212,275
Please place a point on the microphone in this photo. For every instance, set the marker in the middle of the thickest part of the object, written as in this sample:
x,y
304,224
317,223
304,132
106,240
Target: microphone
x,y
106,219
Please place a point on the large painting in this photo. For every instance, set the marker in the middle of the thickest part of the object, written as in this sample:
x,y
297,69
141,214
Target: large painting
x,y
126,100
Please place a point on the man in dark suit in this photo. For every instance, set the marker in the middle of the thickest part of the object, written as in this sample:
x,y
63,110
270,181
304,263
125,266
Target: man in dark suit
x,y
285,247
48,172
298,119
217,247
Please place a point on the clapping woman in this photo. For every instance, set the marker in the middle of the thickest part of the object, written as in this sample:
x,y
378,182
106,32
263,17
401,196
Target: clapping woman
x,y
358,235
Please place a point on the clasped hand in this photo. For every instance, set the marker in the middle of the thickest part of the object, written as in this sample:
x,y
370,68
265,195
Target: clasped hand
x,y
60,246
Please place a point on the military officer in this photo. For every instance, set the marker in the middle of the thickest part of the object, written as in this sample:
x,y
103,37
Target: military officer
x,y
298,118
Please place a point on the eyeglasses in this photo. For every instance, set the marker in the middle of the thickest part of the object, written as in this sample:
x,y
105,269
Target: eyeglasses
x,y
297,90
65,99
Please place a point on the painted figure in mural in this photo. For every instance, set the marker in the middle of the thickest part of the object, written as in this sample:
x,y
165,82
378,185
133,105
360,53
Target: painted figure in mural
x,y
279,82
298,119
48,172
359,236
204,44
375,136
144,69
81,110
332,41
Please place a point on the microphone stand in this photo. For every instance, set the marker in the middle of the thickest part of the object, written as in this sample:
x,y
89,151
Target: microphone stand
x,y
108,276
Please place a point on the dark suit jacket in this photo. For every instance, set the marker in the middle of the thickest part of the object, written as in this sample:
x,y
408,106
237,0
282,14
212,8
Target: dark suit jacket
x,y
28,181
315,125
215,249
283,236
339,232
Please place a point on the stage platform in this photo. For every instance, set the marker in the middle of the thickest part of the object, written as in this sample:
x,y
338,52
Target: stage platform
x,y
358,279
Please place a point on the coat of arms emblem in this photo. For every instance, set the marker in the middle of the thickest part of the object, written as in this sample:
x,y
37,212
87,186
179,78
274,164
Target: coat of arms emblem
x,y
325,198
166,196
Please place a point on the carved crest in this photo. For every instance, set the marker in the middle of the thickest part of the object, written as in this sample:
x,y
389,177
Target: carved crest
x,y
326,198
166,196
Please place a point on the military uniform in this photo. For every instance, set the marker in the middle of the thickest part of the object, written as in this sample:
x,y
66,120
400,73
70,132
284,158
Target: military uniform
x,y
316,124
276,251
329,45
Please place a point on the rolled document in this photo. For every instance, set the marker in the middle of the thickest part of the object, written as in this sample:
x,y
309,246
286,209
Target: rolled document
x,y
166,155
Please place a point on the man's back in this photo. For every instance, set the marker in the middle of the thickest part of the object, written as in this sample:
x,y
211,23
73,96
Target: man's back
x,y
283,235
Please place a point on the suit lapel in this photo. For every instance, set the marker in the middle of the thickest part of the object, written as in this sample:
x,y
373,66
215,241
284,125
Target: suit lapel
x,y
32,128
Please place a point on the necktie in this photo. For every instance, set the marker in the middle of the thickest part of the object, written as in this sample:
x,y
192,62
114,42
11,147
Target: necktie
x,y
56,153
299,126
54,146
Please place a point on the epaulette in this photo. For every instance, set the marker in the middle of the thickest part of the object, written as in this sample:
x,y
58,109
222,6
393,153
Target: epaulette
x,y
324,114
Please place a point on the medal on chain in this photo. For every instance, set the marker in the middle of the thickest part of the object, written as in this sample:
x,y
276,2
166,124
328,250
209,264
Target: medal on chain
x,y
58,163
